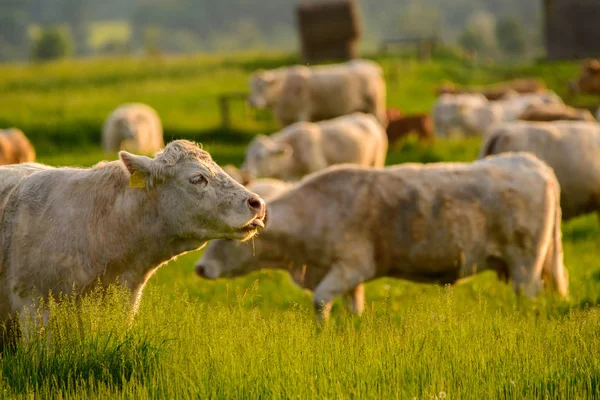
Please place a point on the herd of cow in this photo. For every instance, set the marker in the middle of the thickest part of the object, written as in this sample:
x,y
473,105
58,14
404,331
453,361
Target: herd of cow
x,y
327,209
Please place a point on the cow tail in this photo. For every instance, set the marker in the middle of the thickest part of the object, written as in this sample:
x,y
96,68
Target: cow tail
x,y
560,274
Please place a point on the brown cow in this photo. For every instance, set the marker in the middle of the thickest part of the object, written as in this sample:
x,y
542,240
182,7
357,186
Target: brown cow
x,y
15,148
393,113
398,128
589,78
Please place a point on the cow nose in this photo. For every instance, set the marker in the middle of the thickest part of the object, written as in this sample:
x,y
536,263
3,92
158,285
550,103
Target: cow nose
x,y
258,205
200,270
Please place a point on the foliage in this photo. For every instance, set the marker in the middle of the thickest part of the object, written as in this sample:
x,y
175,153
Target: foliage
x,y
203,24
479,34
510,36
52,44
13,30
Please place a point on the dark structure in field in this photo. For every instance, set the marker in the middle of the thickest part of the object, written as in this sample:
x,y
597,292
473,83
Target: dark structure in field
x,y
572,28
329,30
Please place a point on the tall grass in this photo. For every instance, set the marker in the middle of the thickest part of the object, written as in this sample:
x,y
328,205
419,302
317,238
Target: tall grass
x,y
431,346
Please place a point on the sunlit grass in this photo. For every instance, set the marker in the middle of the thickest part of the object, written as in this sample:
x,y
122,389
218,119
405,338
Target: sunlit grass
x,y
255,336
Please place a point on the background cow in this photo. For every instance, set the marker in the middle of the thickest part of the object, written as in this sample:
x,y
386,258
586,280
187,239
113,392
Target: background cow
x,y
301,93
134,127
570,147
307,147
15,147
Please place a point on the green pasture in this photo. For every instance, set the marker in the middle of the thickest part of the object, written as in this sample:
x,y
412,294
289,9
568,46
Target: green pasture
x,y
254,337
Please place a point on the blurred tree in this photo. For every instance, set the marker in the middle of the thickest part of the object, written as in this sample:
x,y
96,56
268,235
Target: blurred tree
x,y
419,19
53,43
479,34
471,41
75,16
510,36
14,21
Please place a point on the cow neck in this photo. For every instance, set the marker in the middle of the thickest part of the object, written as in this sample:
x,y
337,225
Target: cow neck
x,y
139,241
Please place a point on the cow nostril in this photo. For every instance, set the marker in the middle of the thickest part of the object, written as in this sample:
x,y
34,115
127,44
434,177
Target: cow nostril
x,y
257,204
200,270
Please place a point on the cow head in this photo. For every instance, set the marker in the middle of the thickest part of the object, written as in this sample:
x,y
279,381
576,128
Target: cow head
x,y
193,197
267,158
227,258
264,89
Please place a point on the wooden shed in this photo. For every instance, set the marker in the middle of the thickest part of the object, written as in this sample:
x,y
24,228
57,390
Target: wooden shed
x,y
329,30
572,28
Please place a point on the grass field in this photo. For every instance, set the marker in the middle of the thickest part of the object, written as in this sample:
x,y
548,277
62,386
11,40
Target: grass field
x,y
255,336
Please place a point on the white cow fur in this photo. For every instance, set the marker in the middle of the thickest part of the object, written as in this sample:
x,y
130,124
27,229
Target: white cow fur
x,y
306,147
571,148
301,93
65,227
435,223
133,127
473,114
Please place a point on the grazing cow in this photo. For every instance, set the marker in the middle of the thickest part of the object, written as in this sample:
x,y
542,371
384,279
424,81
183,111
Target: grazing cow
x,y
66,228
589,78
307,147
554,112
473,114
569,147
400,127
15,148
134,127
436,223
497,91
447,113
311,94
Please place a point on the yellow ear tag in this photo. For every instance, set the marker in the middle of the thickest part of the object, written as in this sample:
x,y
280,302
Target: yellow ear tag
x,y
137,180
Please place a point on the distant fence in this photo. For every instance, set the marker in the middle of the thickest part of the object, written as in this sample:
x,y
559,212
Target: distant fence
x,y
225,102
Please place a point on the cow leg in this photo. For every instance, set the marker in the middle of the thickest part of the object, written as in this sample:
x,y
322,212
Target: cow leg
x,y
340,279
355,299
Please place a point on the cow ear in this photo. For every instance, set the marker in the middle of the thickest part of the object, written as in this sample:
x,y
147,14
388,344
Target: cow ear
x,y
133,163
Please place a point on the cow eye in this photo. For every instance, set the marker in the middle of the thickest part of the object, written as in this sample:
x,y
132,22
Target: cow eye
x,y
199,180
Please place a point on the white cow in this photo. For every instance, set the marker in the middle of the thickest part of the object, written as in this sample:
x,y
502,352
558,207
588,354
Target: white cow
x,y
571,148
116,222
435,223
449,113
472,114
301,93
134,127
307,147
